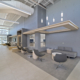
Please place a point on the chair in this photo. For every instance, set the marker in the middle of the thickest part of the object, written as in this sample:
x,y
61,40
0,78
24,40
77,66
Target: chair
x,y
8,44
60,58
29,51
38,54
23,50
18,47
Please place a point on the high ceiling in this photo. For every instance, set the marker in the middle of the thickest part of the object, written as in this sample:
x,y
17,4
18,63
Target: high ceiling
x,y
15,17
33,3
8,16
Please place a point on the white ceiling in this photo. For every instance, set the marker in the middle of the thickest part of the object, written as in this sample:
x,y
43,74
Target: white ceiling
x,y
12,17
33,3
15,17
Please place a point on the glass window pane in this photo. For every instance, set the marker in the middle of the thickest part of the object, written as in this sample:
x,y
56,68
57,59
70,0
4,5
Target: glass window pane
x,y
42,36
4,31
32,40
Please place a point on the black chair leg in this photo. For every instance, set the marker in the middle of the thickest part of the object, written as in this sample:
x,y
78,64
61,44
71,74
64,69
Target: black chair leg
x,y
60,66
40,59
25,53
30,56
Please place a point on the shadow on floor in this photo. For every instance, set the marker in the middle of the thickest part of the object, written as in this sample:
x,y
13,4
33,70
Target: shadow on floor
x,y
49,65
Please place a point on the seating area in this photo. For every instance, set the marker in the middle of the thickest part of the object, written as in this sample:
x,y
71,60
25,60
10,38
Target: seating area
x,y
59,70
39,40
66,50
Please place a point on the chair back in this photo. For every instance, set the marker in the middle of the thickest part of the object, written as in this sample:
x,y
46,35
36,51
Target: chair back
x,y
36,52
27,49
60,58
23,49
18,47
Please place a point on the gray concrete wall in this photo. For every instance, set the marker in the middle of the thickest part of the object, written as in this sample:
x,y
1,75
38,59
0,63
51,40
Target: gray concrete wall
x,y
27,23
24,38
41,15
71,11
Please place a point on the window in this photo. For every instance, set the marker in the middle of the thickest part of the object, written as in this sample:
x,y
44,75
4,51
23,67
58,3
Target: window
x,y
32,40
42,40
4,31
3,39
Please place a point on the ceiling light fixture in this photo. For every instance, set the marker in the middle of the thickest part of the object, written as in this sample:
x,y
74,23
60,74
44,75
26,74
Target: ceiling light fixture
x,y
48,23
61,14
61,19
47,18
41,20
13,7
53,20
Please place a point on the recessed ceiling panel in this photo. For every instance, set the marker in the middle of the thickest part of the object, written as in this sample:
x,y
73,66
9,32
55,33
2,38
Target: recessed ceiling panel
x,y
11,17
2,15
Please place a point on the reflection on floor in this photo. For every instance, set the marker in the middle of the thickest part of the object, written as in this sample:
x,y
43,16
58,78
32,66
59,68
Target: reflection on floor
x,y
14,67
49,65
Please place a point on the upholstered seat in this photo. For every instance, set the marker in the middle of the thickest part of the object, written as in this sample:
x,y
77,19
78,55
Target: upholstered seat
x,y
38,54
60,58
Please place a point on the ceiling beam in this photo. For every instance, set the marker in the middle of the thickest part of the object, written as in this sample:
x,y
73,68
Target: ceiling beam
x,y
13,12
38,4
9,21
3,26
13,36
45,32
5,18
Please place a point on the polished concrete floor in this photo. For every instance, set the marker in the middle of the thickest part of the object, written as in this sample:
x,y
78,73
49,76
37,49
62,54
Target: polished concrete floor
x,y
75,74
49,65
15,67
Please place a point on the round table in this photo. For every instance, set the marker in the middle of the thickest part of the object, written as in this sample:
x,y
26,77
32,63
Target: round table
x,y
54,54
